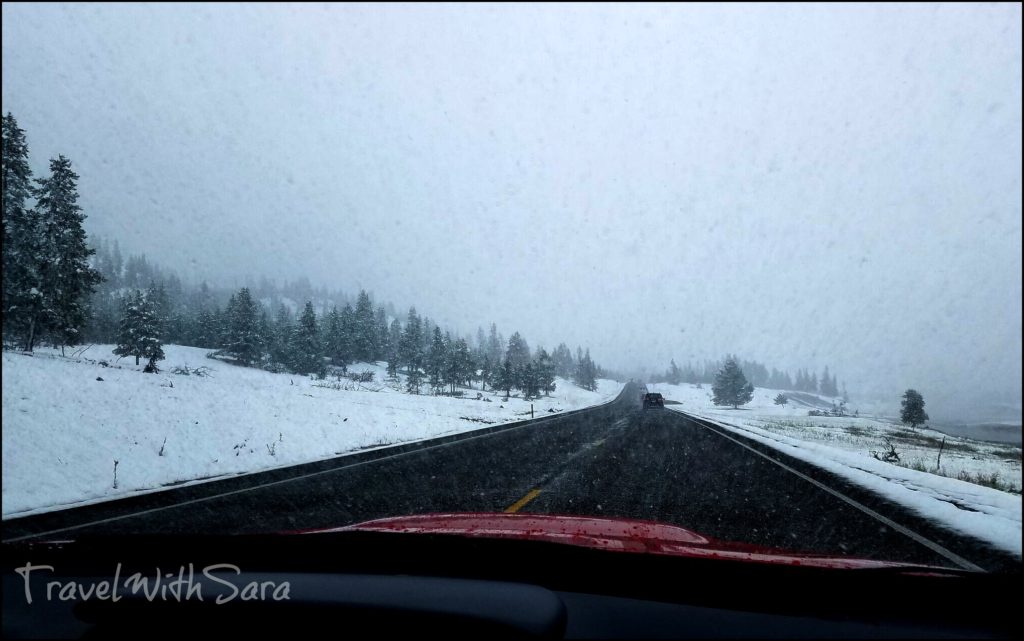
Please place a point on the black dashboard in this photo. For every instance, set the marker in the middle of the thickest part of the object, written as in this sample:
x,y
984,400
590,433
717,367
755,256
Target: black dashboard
x,y
360,583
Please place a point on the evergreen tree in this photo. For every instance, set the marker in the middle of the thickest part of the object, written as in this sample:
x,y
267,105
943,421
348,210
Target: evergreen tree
x,y
347,340
563,362
481,343
436,358
586,371
244,341
544,369
518,355
307,351
912,411
454,369
117,266
826,386
464,368
426,336
413,381
365,334
157,296
383,335
411,353
528,381
266,331
487,371
224,322
494,347
280,344
505,378
731,386
68,280
334,339
674,374
139,332
23,302
394,347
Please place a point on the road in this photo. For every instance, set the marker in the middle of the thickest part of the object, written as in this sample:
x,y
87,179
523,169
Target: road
x,y
614,460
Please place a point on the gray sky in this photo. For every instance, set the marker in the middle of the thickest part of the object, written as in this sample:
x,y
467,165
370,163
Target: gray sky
x,y
802,185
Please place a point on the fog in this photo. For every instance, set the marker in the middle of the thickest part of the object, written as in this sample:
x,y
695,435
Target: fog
x,y
800,185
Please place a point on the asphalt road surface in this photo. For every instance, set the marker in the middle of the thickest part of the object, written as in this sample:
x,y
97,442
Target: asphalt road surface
x,y
615,460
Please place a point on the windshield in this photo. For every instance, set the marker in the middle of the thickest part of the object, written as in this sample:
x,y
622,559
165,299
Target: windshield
x,y
291,268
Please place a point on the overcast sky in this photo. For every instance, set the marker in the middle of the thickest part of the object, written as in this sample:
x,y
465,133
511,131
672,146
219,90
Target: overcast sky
x,y
801,185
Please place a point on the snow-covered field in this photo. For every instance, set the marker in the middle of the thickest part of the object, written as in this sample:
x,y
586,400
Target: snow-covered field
x,y
845,446
63,428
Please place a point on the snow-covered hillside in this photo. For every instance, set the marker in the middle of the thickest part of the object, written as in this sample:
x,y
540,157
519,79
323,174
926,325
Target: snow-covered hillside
x,y
64,428
960,491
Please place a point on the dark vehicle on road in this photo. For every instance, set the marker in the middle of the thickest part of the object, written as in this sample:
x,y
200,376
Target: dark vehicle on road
x,y
653,399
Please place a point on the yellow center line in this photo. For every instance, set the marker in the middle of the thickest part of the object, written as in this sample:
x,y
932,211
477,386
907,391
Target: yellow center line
x,y
515,507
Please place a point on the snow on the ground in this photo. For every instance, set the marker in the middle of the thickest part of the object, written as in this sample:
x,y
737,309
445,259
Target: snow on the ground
x,y
844,446
63,429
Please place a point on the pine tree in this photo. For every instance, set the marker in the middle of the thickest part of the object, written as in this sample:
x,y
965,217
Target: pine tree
x,y
674,375
426,337
494,347
347,340
544,369
383,335
333,338
411,353
68,280
139,332
486,371
307,350
586,371
117,265
394,347
731,386
458,362
161,302
528,381
465,368
413,381
505,378
365,335
244,341
562,359
912,411
826,386
481,342
280,344
23,242
518,355
436,361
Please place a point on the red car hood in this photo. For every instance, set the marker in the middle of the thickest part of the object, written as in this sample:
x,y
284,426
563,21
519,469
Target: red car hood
x,y
620,535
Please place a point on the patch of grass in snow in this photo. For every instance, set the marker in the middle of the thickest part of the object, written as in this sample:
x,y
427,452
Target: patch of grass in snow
x,y
809,431
771,424
1008,454
857,430
910,437
992,479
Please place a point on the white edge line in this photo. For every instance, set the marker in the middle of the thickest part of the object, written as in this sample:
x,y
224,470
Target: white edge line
x,y
931,545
